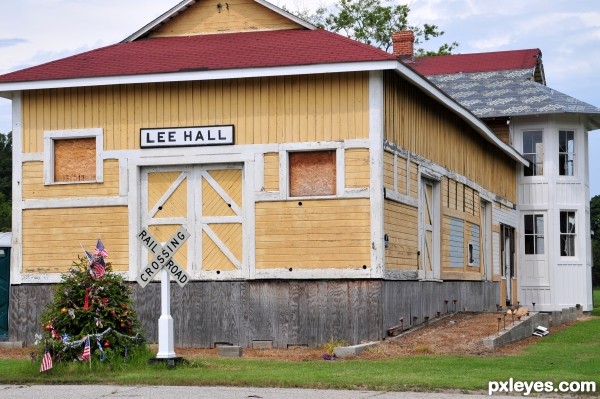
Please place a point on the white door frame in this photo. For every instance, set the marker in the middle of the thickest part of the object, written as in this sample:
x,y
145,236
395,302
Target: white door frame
x,y
431,205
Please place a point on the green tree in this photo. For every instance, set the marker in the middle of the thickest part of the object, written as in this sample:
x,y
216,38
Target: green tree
x,y
595,229
5,182
5,214
6,165
93,302
373,22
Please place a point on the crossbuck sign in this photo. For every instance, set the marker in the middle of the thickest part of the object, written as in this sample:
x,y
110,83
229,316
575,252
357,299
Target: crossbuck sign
x,y
163,256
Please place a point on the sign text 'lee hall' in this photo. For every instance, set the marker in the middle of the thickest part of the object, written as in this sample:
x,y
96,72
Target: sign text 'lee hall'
x,y
186,136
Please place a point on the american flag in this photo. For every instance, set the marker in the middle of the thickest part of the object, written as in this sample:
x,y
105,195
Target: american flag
x,y
46,361
98,268
100,250
86,350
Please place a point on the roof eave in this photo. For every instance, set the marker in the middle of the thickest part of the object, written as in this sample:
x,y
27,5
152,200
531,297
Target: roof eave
x,y
466,115
234,73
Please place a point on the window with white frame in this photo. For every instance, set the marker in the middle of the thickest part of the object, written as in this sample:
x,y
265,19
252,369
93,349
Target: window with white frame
x,y
533,151
566,152
567,233
534,234
73,156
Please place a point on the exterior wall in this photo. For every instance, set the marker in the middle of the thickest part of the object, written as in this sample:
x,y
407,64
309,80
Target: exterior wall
x,y
205,18
505,216
460,217
550,280
425,141
53,237
501,127
460,224
264,110
271,117
34,188
294,312
317,234
401,226
420,125
357,168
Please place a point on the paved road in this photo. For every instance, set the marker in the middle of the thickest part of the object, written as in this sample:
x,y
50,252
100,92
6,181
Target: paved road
x,y
164,392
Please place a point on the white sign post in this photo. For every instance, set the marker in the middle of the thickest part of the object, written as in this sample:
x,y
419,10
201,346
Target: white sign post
x,y
164,263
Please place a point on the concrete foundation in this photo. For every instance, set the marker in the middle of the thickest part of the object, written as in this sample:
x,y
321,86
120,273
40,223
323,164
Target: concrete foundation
x,y
12,344
230,351
354,350
518,330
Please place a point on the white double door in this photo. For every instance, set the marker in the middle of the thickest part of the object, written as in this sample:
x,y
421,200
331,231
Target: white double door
x,y
207,201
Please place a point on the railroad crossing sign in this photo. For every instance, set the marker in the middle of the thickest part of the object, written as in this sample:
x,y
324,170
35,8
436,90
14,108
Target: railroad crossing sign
x,y
163,256
164,264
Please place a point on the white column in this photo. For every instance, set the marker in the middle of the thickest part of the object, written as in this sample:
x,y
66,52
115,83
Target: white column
x,y
166,348
376,137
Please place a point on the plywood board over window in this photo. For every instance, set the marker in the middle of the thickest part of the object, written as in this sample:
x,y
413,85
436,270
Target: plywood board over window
x,y
75,159
312,173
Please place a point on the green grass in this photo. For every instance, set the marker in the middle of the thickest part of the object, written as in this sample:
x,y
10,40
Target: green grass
x,y
596,294
571,355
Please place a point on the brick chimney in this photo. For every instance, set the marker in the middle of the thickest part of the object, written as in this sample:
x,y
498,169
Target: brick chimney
x,y
403,43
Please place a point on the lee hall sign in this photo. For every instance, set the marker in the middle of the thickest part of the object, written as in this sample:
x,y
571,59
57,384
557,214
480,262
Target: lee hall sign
x,y
186,136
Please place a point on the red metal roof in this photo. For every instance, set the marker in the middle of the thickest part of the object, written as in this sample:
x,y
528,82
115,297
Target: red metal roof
x,y
479,62
206,52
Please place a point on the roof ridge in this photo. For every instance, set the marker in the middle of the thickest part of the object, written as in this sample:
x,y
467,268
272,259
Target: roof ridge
x,y
357,43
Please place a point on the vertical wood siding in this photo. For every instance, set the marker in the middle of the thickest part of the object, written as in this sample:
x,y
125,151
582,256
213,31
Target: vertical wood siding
x,y
419,124
52,238
357,168
285,312
264,110
271,176
236,16
316,234
34,188
388,170
401,226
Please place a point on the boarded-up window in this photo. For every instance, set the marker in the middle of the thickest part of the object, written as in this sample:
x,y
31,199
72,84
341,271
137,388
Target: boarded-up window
x,y
312,173
75,159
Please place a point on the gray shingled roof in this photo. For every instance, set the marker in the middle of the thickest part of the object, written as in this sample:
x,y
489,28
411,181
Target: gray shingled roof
x,y
508,93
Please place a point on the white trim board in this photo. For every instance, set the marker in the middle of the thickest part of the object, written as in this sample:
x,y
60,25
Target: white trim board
x,y
238,73
16,263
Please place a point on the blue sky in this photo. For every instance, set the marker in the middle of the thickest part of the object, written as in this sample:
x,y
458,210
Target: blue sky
x,y
567,32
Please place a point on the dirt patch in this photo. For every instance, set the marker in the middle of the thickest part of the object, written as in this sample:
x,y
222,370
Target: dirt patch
x,y
458,334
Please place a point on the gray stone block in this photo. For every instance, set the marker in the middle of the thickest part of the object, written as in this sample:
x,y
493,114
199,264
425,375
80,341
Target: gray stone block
x,y
556,318
354,350
579,311
262,344
544,320
230,351
12,344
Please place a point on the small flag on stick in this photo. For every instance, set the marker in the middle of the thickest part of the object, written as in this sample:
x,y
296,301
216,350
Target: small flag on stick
x,y
86,349
46,360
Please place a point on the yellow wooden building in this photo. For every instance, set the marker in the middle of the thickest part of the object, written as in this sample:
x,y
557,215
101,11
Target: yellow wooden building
x,y
328,188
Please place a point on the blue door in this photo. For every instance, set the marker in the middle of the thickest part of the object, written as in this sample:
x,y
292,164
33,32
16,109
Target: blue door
x,y
4,286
